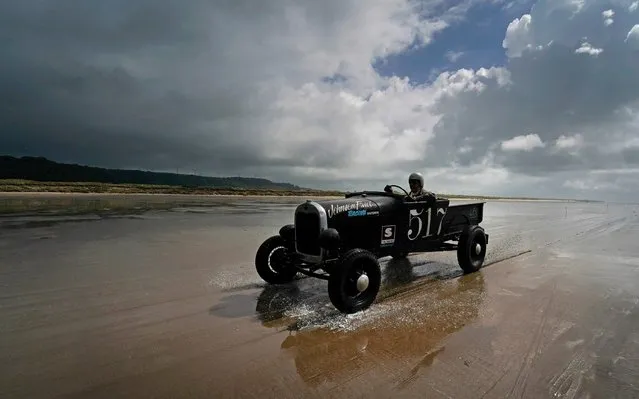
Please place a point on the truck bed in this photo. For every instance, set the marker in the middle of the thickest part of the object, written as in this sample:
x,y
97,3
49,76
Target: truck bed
x,y
461,215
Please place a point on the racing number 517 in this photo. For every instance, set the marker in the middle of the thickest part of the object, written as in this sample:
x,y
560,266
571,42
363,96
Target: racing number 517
x,y
430,222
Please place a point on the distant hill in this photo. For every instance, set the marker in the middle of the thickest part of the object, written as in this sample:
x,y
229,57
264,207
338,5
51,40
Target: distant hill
x,y
45,170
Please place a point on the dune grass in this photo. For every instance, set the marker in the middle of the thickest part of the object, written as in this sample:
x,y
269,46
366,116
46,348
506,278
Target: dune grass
x,y
30,186
24,196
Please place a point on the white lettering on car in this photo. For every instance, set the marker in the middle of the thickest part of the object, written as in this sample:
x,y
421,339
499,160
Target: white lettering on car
x,y
413,234
334,209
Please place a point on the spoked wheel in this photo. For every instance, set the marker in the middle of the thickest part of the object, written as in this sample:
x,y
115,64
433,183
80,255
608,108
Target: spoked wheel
x,y
471,250
273,262
354,284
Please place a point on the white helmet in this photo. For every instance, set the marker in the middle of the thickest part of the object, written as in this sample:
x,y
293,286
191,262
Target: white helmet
x,y
416,176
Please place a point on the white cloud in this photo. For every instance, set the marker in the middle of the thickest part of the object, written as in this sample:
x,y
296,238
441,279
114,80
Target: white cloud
x,y
577,5
449,84
565,23
607,16
389,127
633,37
569,142
522,143
587,48
453,56
518,36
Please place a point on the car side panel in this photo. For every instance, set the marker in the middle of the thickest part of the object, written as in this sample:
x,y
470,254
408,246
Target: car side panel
x,y
382,224
424,223
368,222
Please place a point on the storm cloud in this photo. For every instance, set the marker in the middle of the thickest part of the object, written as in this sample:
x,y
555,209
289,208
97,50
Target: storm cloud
x,y
287,90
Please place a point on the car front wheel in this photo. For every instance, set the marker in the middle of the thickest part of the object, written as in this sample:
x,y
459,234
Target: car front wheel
x,y
354,284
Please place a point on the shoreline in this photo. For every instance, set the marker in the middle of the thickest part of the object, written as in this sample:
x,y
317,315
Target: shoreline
x,y
284,195
158,194
19,188
253,194
52,203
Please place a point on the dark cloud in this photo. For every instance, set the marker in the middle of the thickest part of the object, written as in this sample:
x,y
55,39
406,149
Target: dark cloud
x,y
157,83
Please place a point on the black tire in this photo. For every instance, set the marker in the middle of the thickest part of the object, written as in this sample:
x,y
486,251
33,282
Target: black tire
x,y
272,263
469,260
342,288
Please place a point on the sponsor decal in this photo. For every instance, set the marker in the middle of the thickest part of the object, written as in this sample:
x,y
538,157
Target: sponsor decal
x,y
335,209
388,234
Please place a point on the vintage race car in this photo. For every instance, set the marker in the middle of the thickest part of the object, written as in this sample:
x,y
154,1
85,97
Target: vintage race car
x,y
342,240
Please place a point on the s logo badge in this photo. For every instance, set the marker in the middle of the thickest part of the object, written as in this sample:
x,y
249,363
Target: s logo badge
x,y
388,235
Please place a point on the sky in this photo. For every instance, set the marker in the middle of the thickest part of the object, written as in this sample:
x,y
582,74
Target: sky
x,y
534,98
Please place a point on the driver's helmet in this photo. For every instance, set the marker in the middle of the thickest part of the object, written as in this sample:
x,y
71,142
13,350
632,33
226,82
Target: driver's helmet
x,y
416,177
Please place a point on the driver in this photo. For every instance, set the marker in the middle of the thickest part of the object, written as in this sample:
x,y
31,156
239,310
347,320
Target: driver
x,y
417,192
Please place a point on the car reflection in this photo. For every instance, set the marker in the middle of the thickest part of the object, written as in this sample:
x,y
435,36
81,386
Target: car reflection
x,y
437,309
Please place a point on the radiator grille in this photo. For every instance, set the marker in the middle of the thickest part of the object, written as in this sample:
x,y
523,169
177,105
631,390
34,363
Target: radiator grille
x,y
307,230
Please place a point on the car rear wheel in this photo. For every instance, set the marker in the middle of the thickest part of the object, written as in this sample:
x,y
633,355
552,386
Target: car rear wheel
x,y
471,249
354,284
273,262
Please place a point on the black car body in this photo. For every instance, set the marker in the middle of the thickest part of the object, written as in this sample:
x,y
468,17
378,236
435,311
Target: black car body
x,y
380,223
341,240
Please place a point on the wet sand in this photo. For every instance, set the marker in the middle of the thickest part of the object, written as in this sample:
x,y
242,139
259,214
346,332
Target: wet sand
x,y
166,304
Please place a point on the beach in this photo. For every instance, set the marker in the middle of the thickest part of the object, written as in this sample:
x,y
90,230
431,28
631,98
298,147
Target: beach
x,y
165,303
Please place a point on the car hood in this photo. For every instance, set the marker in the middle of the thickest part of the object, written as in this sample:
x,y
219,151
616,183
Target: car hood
x,y
360,205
